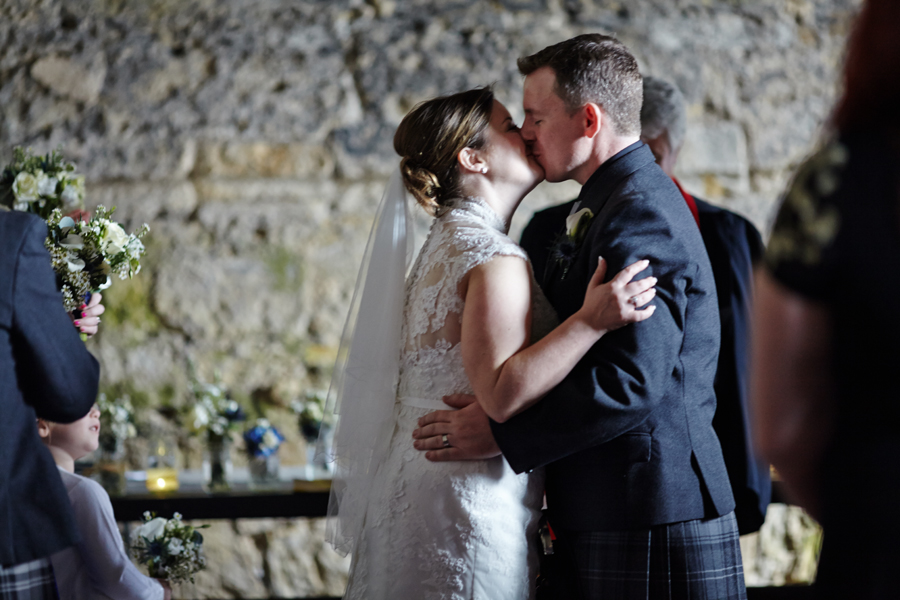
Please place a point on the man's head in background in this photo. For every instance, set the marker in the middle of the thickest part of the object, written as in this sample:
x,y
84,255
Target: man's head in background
x,y
663,121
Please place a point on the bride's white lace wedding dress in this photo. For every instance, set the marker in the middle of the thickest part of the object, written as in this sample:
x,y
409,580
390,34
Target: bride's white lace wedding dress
x,y
453,530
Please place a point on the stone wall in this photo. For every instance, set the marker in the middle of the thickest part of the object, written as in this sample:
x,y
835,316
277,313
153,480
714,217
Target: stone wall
x,y
255,139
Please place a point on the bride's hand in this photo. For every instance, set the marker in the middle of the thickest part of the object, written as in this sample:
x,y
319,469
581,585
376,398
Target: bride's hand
x,y
608,306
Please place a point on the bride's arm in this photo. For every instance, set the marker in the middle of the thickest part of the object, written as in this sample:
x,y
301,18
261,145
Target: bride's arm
x,y
506,373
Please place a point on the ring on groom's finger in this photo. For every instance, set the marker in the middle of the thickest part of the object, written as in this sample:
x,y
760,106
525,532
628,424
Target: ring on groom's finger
x,y
445,441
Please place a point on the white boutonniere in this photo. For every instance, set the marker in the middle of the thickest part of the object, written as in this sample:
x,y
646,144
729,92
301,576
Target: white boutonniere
x,y
566,248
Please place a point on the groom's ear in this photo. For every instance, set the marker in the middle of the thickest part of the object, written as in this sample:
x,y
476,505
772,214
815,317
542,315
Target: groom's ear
x,y
593,117
469,160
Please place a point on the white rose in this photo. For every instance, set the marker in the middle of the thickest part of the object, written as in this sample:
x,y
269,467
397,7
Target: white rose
x,y
175,546
572,221
47,186
153,529
115,239
25,187
105,284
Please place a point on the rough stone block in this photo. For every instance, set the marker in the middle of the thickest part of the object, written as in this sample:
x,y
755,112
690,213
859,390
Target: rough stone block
x,y
236,159
714,148
69,78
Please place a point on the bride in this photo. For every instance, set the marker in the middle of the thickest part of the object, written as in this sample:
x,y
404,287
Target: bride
x,y
469,319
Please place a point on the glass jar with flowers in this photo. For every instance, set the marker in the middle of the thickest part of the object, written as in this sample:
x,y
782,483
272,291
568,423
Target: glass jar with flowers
x,y
314,425
215,416
262,442
116,426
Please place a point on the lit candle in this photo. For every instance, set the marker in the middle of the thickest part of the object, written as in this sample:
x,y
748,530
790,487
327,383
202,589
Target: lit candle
x,y
163,479
161,473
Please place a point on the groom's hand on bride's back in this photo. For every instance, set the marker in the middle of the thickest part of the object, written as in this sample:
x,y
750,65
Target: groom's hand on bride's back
x,y
468,432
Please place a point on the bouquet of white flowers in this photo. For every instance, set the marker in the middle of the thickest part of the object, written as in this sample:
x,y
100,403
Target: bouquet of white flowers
x,y
171,549
213,411
41,184
83,254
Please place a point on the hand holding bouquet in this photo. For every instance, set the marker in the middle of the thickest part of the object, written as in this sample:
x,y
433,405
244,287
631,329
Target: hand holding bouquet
x,y
171,549
84,254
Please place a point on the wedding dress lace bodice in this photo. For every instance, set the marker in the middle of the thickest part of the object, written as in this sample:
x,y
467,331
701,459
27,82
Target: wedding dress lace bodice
x,y
465,234
447,530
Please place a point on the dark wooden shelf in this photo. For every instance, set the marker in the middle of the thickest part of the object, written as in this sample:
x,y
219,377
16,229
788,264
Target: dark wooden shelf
x,y
287,500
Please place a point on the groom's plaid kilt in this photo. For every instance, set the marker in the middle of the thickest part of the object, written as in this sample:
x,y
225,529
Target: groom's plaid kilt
x,y
28,581
692,560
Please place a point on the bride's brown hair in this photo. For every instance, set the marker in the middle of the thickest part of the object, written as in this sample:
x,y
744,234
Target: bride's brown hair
x,y
432,135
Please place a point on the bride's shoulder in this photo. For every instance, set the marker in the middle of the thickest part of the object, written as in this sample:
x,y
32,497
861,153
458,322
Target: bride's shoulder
x,y
475,239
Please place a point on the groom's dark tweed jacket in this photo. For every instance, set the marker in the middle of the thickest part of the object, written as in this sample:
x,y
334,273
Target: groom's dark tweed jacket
x,y
627,437
44,367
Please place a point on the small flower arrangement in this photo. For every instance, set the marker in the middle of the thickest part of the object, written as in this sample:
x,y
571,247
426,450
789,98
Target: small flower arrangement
x,y
311,414
41,184
262,439
566,248
213,412
170,548
116,420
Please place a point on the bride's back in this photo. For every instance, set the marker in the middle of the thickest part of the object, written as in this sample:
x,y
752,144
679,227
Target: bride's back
x,y
466,233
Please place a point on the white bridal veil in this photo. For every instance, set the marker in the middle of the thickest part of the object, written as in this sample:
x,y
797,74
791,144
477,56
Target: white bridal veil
x,y
364,385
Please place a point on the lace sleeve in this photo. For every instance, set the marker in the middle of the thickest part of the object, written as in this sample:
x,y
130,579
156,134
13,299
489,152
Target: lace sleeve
x,y
455,246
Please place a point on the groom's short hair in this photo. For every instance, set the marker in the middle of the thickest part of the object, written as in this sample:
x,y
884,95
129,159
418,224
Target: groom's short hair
x,y
594,68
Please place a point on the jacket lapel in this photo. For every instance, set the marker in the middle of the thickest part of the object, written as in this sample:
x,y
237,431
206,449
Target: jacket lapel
x,y
599,188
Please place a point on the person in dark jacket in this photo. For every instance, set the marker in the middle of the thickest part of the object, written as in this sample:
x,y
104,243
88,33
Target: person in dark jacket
x,y
637,490
46,371
734,247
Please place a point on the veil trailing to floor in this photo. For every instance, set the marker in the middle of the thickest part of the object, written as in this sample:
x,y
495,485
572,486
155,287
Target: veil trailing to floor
x,y
363,388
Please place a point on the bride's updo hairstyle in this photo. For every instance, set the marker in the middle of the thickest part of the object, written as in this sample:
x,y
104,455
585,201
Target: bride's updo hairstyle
x,y
432,135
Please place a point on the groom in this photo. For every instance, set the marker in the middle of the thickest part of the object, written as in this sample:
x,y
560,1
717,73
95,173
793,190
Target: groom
x,y
637,491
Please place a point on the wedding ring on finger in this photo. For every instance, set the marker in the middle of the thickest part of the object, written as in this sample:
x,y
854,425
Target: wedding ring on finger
x,y
634,301
444,441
